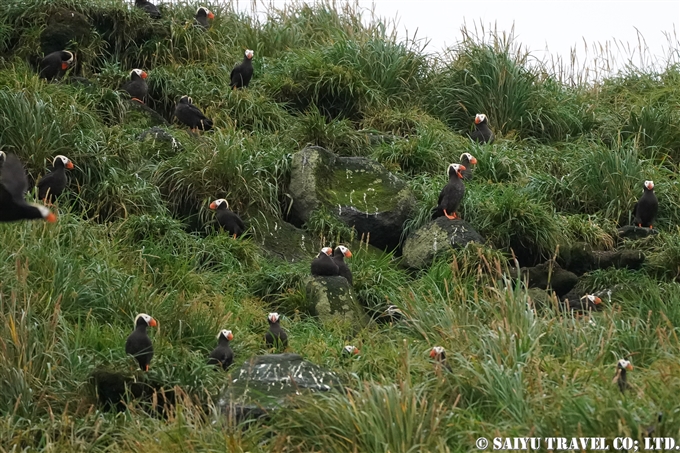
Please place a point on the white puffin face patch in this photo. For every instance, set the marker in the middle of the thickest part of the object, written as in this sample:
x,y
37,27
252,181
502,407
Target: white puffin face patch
x,y
273,317
327,250
221,202
625,364
649,185
3,156
455,167
249,54
226,334
479,118
65,160
187,99
70,59
145,317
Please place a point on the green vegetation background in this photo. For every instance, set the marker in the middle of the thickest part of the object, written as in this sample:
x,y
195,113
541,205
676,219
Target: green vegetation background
x,y
135,235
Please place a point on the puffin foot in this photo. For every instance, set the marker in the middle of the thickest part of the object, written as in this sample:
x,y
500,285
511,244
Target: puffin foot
x,y
138,100
146,368
651,227
234,235
450,216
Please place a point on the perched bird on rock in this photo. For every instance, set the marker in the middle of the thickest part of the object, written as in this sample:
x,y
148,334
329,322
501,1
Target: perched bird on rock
x,y
190,115
646,208
54,64
452,194
202,16
323,265
467,160
136,87
53,183
138,344
276,337
243,72
482,132
149,7
222,355
622,367
227,219
13,187
339,254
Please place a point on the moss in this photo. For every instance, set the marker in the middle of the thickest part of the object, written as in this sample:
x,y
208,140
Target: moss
x,y
333,300
364,191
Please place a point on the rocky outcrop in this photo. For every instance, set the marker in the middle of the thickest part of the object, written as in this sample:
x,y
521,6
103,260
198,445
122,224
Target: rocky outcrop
x,y
332,299
63,28
548,275
581,258
635,232
115,390
358,191
265,383
433,239
143,116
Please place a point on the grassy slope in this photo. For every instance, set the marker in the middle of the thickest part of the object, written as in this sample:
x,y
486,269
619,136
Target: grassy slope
x,y
135,235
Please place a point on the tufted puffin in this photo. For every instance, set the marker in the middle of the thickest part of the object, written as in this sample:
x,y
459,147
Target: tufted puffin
x,y
13,187
587,303
227,219
438,353
149,7
53,183
138,344
54,64
482,133
467,160
323,264
136,86
187,113
222,355
350,351
622,367
452,194
339,254
243,72
202,16
276,337
647,206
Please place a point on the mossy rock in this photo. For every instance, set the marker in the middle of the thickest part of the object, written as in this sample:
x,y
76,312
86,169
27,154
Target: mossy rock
x,y
267,382
549,275
332,299
282,240
434,239
580,258
63,28
142,116
358,191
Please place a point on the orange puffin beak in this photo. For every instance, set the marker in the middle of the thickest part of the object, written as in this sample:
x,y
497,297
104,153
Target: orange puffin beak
x,y
153,323
597,301
51,217
348,254
69,165
473,161
356,351
211,16
629,367
213,205
432,353
64,66
230,336
477,121
144,75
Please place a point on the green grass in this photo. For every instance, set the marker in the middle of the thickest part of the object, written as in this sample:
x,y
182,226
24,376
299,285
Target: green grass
x,y
135,234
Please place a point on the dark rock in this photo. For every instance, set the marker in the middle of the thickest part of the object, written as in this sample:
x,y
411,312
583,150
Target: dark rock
x,y
581,258
359,191
63,28
158,134
332,299
631,259
635,232
115,391
265,383
282,240
435,238
143,116
549,275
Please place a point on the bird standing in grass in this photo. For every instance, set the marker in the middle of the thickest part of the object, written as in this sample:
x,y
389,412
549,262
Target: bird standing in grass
x,y
202,16
53,183
438,354
54,64
276,336
622,367
222,355
467,160
323,265
187,113
136,87
138,344
585,304
350,351
227,219
452,194
646,208
13,187
339,254
149,7
243,72
482,132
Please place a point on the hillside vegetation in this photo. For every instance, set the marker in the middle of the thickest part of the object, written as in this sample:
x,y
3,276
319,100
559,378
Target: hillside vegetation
x,y
135,234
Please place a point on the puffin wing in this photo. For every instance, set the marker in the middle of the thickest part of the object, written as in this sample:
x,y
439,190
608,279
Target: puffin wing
x,y
13,179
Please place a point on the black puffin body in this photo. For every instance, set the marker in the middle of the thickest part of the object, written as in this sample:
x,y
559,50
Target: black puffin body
x,y
646,208
585,304
187,113
467,160
149,7
482,132
53,183
54,64
452,194
222,355
339,254
13,187
276,335
622,367
136,86
242,73
202,16
323,265
228,219
138,344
